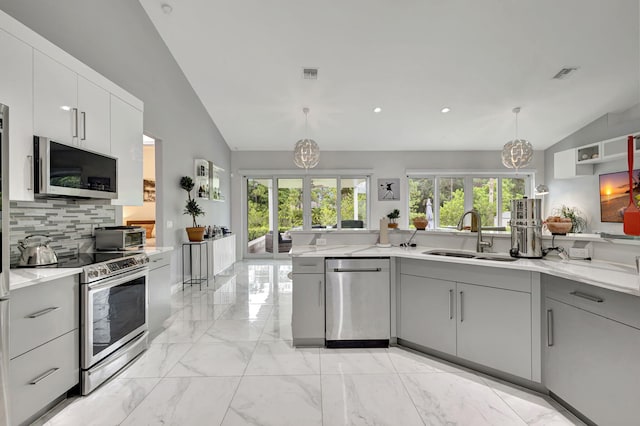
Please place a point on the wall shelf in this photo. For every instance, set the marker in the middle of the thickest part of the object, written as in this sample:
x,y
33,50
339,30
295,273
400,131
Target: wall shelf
x,y
207,180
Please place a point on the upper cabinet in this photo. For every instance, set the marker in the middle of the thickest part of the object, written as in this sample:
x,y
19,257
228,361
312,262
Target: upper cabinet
x,y
93,117
68,108
55,100
126,145
52,94
579,161
16,91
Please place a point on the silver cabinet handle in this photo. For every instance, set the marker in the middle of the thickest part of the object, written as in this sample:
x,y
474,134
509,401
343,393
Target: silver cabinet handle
x,y
30,188
357,270
43,376
75,122
319,292
549,327
41,177
587,296
461,306
84,126
450,304
43,312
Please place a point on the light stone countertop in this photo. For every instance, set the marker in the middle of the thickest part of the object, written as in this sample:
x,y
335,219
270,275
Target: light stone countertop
x,y
607,275
25,277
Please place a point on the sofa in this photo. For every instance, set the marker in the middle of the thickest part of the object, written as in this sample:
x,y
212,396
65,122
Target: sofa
x,y
284,245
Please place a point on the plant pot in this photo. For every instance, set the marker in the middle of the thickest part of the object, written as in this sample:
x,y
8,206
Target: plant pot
x,y
420,223
196,234
392,225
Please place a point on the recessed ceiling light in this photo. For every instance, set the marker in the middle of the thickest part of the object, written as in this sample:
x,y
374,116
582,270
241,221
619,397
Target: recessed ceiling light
x,y
65,108
445,110
166,8
377,110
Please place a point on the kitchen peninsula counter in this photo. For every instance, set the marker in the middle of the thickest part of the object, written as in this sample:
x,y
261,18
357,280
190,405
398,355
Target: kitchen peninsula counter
x,y
608,275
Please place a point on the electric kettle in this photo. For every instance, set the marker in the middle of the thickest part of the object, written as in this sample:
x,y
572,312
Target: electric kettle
x,y
36,253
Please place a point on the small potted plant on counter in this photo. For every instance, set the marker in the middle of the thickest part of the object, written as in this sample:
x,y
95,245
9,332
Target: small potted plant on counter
x,y
195,233
393,218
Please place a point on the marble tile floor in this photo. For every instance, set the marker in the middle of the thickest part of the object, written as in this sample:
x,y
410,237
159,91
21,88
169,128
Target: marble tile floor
x,y
226,358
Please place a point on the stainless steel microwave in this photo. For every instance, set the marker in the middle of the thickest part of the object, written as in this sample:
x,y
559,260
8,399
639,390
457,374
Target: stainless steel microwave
x,y
65,170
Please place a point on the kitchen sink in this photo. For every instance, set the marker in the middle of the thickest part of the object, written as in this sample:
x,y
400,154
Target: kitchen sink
x,y
466,255
449,253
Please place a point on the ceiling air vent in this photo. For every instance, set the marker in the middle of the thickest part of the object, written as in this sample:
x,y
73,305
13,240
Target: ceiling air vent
x,y
310,73
565,73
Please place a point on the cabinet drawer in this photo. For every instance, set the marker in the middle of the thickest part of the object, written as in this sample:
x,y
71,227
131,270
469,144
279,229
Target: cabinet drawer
x,y
508,279
159,260
308,265
610,304
40,376
42,312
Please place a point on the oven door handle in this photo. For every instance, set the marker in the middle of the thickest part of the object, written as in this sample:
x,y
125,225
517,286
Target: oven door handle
x,y
120,279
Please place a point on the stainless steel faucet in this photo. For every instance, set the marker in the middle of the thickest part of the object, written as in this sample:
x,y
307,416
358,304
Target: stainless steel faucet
x,y
480,244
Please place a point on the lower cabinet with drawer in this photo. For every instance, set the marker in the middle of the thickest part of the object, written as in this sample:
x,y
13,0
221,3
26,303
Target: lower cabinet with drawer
x,y
591,350
308,316
159,291
42,375
44,346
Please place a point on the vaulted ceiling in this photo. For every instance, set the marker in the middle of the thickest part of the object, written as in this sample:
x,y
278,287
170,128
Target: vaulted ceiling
x,y
411,58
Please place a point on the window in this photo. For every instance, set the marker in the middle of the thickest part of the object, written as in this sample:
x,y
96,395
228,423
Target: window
x,y
443,199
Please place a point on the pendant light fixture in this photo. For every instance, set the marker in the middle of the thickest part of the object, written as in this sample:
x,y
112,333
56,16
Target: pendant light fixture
x,y
518,152
306,153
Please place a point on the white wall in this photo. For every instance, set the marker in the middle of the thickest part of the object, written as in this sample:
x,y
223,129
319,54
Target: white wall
x,y
383,164
584,192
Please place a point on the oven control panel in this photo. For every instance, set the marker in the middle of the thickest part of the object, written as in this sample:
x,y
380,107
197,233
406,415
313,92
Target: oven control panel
x,y
105,269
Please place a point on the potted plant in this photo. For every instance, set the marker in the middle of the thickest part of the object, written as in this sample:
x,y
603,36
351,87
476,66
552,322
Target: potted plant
x,y
195,233
393,218
578,221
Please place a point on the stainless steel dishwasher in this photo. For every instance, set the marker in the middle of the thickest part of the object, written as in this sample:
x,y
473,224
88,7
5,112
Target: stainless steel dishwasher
x,y
358,303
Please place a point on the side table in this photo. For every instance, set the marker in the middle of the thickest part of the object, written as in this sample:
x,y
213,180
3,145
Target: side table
x,y
189,248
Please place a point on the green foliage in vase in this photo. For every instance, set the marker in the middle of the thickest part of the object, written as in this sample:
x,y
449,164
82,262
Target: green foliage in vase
x,y
394,215
576,216
191,207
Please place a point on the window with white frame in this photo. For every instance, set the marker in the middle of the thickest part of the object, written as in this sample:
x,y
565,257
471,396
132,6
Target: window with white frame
x,y
443,198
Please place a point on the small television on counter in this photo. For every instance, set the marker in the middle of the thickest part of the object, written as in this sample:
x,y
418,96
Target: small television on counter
x,y
614,194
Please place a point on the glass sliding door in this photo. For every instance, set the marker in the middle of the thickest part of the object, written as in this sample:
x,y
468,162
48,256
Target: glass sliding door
x,y
260,215
324,199
290,211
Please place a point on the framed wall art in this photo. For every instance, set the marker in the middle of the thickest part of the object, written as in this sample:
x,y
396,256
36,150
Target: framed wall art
x,y
389,189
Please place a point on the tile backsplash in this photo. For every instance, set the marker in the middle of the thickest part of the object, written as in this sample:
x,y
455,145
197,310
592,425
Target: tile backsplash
x,y
69,223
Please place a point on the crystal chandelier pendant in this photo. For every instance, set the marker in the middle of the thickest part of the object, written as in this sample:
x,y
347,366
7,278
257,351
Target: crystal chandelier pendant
x,y
306,153
517,153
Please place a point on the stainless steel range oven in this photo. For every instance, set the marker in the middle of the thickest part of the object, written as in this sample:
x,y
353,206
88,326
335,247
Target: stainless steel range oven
x,y
114,313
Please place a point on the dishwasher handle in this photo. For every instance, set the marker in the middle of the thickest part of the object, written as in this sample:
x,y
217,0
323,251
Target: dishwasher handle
x,y
357,269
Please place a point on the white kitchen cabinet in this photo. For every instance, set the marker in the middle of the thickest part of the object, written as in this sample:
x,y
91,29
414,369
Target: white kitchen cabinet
x,y
308,316
224,253
69,108
16,91
494,328
490,310
427,316
44,343
94,117
55,100
159,292
591,362
126,145
565,165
